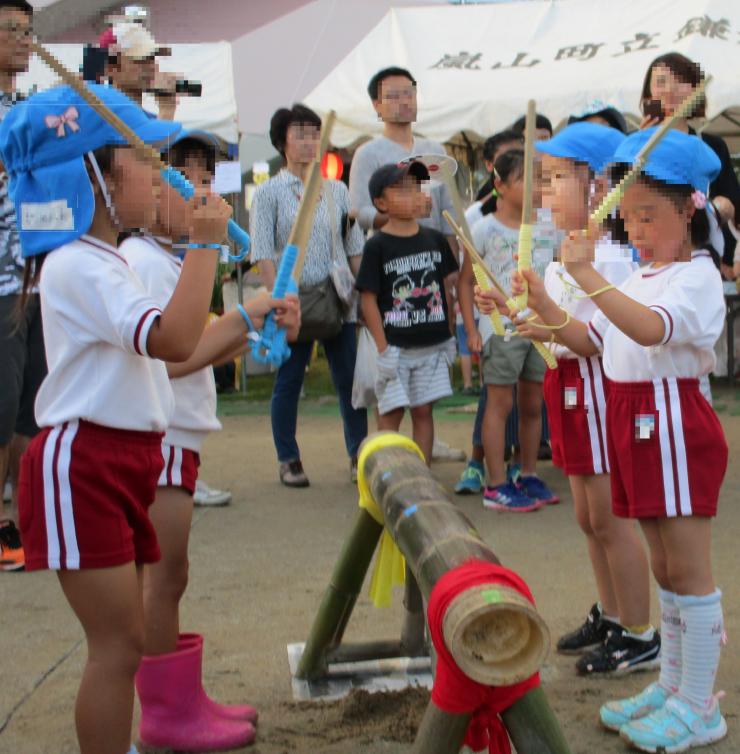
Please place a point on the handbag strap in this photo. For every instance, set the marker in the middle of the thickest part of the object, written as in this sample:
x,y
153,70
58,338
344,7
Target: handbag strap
x,y
332,212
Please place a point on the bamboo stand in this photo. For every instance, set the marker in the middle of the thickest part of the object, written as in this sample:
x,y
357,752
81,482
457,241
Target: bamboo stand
x,y
497,641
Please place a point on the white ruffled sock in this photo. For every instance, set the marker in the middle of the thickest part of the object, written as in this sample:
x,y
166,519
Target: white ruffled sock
x,y
703,631
670,642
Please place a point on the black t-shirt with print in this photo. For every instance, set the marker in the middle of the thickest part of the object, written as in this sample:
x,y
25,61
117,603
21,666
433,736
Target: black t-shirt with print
x,y
407,273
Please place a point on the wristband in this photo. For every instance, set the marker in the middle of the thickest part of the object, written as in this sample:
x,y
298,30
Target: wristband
x,y
252,333
203,246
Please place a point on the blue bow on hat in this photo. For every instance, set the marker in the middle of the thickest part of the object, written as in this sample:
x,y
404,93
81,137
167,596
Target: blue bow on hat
x,y
586,142
678,158
43,141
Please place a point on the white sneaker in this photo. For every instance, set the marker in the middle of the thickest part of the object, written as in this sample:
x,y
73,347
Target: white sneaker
x,y
441,451
204,495
7,492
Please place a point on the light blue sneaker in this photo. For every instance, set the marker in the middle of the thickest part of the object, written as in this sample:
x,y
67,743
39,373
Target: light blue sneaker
x,y
616,714
676,727
472,480
513,472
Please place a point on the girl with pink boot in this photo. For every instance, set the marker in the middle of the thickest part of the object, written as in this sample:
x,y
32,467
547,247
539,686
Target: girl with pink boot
x,y
176,712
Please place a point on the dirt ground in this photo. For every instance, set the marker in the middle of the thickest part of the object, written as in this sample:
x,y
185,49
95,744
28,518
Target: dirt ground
x,y
258,569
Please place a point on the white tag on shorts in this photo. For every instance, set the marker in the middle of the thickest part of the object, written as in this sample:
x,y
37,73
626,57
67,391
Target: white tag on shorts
x,y
56,215
571,397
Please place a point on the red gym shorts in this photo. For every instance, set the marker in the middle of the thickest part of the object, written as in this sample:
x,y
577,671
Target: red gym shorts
x,y
180,468
575,394
667,449
83,496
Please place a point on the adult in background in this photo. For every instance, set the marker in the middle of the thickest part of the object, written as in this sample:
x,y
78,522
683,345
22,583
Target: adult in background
x,y
295,133
669,79
132,65
542,127
22,357
393,94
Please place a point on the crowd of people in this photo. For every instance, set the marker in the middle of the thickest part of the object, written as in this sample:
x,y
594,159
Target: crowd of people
x,y
107,389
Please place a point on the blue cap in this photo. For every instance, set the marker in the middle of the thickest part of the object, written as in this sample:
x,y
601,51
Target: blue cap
x,y
678,158
43,141
586,142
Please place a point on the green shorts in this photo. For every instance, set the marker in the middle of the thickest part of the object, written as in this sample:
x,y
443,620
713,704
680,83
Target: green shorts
x,y
507,362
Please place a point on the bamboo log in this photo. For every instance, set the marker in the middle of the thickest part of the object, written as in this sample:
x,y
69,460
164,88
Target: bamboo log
x,y
495,636
435,537
533,727
413,632
440,732
340,596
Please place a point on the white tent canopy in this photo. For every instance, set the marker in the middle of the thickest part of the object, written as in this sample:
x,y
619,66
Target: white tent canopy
x,y
477,65
215,111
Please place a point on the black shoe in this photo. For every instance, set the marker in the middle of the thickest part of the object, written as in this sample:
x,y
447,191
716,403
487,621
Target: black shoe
x,y
544,453
620,654
589,636
293,475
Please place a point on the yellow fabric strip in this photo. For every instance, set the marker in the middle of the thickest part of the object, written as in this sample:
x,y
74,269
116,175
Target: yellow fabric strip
x,y
390,566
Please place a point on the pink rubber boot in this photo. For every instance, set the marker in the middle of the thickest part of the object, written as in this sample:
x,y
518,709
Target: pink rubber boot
x,y
172,712
229,711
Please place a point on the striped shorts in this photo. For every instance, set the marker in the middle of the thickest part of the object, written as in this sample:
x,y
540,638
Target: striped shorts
x,y
180,468
667,450
83,495
422,376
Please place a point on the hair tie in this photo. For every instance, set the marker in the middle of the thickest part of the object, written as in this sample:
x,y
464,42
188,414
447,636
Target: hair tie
x,y
700,199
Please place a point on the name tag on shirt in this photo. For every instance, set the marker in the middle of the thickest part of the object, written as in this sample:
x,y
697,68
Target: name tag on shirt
x,y
644,426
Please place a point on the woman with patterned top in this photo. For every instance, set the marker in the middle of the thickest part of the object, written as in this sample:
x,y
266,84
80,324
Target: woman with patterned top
x,y
295,134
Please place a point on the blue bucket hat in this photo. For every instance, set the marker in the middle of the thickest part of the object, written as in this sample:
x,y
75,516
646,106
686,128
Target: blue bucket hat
x,y
586,142
678,158
43,141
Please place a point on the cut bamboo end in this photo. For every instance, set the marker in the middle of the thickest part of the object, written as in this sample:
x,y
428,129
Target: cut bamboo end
x,y
495,635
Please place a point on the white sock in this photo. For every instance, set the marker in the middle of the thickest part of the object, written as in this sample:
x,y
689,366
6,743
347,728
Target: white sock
x,y
703,629
670,642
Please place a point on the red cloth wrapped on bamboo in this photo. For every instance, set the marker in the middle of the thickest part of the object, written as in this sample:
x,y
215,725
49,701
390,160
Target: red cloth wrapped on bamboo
x,y
453,691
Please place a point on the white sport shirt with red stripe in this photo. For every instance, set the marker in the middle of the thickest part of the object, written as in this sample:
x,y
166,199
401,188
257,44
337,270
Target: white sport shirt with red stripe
x,y
96,316
612,261
194,415
689,298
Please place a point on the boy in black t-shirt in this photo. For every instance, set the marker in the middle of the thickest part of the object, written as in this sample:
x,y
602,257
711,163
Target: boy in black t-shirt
x,y
404,281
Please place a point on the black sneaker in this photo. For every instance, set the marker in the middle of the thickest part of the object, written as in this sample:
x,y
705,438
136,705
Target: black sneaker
x,y
620,654
590,635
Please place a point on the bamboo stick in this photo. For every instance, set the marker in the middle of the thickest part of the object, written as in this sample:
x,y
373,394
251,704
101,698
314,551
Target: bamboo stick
x,y
302,228
613,198
340,596
479,262
449,180
525,229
